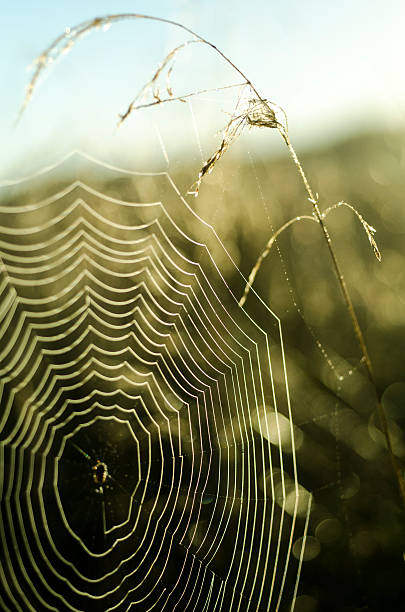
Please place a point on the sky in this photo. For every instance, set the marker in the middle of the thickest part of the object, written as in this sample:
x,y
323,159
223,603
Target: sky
x,y
336,67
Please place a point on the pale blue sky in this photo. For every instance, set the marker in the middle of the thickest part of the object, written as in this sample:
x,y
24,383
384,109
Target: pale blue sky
x,y
335,66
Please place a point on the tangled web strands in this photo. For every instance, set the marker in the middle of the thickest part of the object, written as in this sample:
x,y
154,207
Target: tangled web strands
x,y
137,468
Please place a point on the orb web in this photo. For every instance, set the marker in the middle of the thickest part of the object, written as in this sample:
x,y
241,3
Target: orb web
x,y
146,463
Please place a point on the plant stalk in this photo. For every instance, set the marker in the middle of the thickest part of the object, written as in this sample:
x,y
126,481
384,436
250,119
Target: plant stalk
x,y
355,322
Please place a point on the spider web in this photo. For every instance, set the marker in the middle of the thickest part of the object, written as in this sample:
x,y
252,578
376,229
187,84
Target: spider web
x,y
147,441
151,457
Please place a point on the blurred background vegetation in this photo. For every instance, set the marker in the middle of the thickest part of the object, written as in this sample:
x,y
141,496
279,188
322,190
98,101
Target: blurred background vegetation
x,y
359,519
354,558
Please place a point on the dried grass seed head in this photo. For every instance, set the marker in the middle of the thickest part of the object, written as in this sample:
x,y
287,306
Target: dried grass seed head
x,y
260,114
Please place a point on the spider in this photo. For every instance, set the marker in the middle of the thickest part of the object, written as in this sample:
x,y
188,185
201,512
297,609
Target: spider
x,y
99,472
